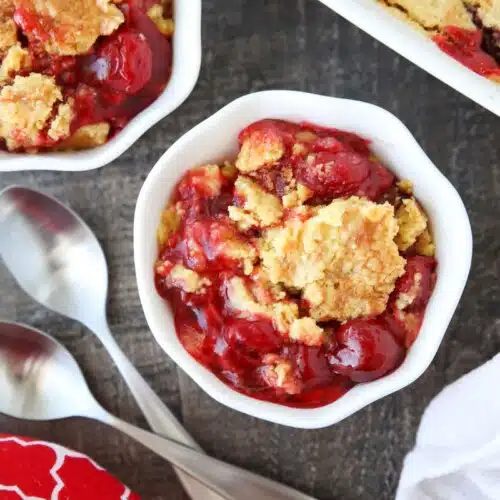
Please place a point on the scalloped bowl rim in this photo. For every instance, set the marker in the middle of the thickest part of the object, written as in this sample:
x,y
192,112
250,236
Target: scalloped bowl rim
x,y
185,71
215,138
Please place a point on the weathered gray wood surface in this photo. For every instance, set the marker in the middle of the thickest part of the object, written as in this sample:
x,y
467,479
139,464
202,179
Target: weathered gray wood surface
x,y
250,45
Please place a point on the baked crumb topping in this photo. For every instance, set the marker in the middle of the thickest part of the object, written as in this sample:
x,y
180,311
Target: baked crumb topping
x,y
16,59
424,244
60,126
278,372
8,34
431,14
25,109
259,208
71,27
165,25
412,223
306,331
88,136
243,302
259,150
344,259
181,277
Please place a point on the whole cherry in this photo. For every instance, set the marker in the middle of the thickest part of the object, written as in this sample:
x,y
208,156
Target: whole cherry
x,y
366,350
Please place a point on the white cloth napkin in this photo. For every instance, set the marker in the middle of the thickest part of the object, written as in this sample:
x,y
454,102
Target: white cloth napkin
x,y
457,453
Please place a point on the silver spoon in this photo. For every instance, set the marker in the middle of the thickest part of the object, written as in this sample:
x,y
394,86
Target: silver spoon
x,y
57,260
40,380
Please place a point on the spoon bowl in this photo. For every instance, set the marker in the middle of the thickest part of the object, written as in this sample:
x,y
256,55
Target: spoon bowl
x,y
38,376
67,270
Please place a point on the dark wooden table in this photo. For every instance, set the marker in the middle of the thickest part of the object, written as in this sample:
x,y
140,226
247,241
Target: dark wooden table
x,y
249,45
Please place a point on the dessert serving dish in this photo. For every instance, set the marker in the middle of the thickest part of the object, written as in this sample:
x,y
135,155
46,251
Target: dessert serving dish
x,y
79,85
308,276
454,40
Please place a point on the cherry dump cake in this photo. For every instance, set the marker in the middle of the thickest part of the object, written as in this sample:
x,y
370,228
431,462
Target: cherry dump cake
x,y
467,30
73,73
298,269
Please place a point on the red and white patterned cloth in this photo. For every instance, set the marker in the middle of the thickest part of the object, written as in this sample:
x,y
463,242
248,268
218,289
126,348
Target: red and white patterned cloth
x,y
37,470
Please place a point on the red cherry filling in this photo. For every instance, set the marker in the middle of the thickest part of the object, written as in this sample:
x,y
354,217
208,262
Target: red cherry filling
x,y
414,288
465,46
124,62
367,350
334,174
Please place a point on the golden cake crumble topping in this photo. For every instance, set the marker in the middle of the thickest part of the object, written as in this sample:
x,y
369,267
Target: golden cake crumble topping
x,y
412,223
344,259
71,28
182,277
243,301
258,207
16,59
434,13
25,108
88,136
259,150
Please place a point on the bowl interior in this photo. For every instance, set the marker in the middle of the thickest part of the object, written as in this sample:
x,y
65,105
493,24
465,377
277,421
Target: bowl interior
x,y
186,63
216,139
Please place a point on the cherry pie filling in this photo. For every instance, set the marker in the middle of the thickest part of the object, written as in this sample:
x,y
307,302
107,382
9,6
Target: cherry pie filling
x,y
295,336
120,75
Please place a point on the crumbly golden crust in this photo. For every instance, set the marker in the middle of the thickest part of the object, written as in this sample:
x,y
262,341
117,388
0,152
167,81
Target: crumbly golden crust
x,y
278,372
60,126
88,136
488,11
16,59
244,303
25,109
306,331
184,278
259,151
164,24
72,27
424,244
8,35
343,259
169,223
259,208
297,197
208,178
434,14
412,223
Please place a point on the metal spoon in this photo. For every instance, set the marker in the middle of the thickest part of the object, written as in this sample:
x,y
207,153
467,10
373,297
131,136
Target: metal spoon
x,y
40,380
57,260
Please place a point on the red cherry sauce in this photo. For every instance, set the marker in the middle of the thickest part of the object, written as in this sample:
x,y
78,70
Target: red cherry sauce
x,y
121,75
466,46
332,164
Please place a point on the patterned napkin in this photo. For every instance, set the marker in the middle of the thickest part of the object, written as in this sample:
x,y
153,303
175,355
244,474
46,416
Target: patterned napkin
x,y
37,470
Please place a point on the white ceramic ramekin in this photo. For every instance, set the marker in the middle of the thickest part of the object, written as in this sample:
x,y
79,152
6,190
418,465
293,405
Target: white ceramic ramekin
x,y
215,139
185,70
373,18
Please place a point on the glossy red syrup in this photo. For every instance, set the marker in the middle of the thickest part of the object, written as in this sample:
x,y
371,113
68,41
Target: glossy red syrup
x,y
121,76
234,348
466,47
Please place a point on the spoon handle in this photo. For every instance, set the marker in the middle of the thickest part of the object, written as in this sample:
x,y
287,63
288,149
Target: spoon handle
x,y
157,414
229,481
